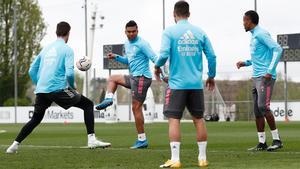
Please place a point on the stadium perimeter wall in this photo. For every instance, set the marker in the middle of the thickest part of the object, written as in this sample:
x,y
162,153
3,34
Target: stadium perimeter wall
x,y
56,114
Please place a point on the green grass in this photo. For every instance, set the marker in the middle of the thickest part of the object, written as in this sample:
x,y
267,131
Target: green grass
x,y
227,147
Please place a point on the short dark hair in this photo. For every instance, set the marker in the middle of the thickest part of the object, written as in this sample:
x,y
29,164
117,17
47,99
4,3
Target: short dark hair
x,y
131,23
62,28
182,8
253,16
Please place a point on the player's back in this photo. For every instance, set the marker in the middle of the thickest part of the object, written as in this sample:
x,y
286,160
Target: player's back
x,y
51,67
187,44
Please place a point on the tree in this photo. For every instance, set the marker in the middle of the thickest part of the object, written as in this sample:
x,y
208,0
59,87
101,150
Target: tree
x,y
30,31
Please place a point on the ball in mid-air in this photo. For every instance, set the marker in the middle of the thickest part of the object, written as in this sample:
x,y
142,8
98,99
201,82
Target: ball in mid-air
x,y
84,63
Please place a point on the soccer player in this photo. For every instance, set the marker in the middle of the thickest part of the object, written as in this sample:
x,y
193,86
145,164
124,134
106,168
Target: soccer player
x,y
52,71
183,45
137,55
265,55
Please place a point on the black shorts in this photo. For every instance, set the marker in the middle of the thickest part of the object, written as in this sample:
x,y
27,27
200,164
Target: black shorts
x,y
177,100
139,86
65,98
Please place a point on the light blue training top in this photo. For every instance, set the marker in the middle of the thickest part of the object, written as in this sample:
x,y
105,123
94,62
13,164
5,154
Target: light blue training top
x,y
265,53
138,52
53,68
183,44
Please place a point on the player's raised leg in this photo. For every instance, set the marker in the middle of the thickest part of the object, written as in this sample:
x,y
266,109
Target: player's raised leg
x,y
112,86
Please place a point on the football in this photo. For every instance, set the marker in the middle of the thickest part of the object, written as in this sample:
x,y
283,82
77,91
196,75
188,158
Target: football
x,y
84,63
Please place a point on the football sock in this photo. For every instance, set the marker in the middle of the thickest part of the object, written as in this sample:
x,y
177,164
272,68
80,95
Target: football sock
x,y
175,151
202,150
91,137
142,137
261,137
275,134
109,95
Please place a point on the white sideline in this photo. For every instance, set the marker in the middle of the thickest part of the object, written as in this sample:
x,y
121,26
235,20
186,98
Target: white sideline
x,y
128,149
3,131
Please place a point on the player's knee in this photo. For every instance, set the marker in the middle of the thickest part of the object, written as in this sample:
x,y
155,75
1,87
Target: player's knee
x,y
134,108
38,114
268,114
89,103
112,79
259,115
262,109
36,118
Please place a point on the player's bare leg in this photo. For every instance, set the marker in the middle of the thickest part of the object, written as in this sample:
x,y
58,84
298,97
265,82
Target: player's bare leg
x,y
201,141
174,137
139,123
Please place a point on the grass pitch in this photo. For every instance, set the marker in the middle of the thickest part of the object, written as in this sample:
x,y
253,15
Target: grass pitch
x,y
59,146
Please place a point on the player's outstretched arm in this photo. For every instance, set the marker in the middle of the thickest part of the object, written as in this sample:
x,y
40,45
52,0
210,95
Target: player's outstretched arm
x,y
118,58
240,64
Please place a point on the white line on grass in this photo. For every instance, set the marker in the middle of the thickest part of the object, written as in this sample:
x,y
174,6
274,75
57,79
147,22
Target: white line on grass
x,y
2,131
159,150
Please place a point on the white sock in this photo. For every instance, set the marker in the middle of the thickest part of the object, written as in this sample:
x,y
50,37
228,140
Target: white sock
x,y
275,134
91,137
15,143
202,150
109,95
261,137
175,151
142,137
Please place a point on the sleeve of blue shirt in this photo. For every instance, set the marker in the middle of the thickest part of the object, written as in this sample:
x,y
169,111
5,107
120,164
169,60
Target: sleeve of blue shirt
x,y
147,50
34,68
122,59
69,65
248,63
165,50
267,40
210,56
